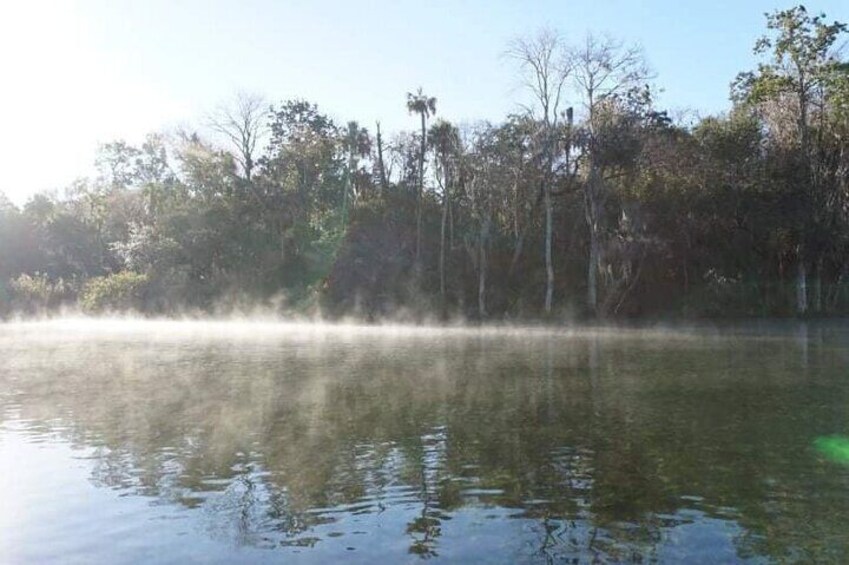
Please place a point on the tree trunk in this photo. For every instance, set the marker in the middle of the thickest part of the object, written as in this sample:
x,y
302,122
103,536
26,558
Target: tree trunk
x,y
549,267
249,166
684,262
818,286
837,288
517,254
801,286
593,215
380,164
442,238
450,226
482,270
348,190
592,272
419,194
519,245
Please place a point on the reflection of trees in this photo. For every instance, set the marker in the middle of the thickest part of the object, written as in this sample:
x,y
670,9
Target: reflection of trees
x,y
598,443
427,527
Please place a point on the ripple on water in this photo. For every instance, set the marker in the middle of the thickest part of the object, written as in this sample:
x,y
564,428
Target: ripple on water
x,y
241,442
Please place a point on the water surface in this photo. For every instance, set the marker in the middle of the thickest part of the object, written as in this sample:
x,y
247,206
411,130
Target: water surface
x,y
173,442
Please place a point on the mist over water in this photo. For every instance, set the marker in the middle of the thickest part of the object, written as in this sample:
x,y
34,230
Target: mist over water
x,y
254,440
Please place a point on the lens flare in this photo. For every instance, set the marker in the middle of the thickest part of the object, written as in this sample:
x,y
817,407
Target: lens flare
x,y
835,448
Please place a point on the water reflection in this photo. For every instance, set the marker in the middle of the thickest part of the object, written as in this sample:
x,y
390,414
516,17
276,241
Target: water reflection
x,y
609,446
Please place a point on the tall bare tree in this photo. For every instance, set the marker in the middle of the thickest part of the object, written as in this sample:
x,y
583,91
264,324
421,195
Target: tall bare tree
x,y
243,121
545,70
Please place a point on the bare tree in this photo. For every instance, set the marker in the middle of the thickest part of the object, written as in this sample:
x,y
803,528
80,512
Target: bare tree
x,y
243,122
545,69
602,70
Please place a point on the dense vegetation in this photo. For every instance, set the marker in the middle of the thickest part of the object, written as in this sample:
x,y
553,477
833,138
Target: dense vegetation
x,y
591,201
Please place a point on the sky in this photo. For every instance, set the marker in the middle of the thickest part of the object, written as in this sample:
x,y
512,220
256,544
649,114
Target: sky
x,y
74,74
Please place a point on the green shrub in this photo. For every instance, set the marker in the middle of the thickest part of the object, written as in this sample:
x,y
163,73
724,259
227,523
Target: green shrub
x,y
119,291
36,293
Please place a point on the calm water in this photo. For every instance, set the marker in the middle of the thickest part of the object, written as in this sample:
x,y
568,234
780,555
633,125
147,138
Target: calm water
x,y
180,442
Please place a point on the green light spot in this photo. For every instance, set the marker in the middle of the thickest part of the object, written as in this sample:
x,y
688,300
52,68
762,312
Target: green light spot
x,y
835,448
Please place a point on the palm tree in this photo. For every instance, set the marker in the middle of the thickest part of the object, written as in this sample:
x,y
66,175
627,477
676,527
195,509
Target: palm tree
x,y
357,144
444,140
425,106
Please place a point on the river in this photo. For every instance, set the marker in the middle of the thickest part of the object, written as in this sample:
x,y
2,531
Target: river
x,y
126,441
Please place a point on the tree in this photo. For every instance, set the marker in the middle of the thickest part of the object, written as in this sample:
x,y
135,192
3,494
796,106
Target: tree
x,y
208,173
357,144
116,164
445,141
480,182
801,70
744,213
304,157
425,106
381,165
545,70
603,69
243,122
515,138
156,178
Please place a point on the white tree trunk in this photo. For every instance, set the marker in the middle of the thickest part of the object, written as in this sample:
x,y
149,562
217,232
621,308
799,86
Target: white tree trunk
x,y
549,267
801,287
419,196
482,270
818,287
594,217
592,272
442,246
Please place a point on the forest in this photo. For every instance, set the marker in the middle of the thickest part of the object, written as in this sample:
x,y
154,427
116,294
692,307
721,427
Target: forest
x,y
588,202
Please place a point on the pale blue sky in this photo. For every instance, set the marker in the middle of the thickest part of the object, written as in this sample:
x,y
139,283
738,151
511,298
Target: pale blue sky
x,y
79,73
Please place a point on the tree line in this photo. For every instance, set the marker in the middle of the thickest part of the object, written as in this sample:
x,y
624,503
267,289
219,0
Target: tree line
x,y
589,200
